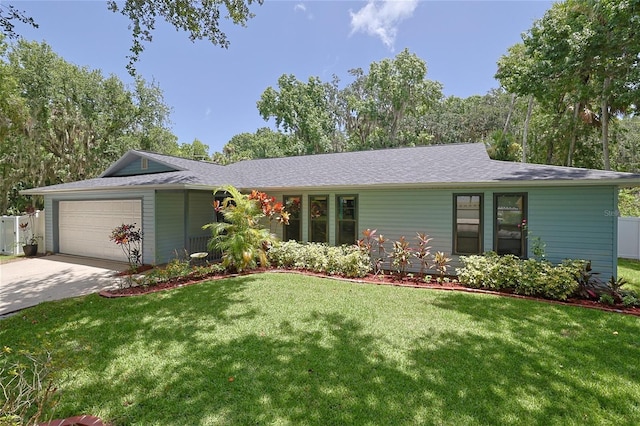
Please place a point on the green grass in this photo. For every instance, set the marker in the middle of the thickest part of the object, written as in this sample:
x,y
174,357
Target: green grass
x,y
313,351
630,270
6,258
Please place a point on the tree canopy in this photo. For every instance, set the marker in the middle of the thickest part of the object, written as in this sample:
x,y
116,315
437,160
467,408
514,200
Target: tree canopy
x,y
199,19
581,64
60,122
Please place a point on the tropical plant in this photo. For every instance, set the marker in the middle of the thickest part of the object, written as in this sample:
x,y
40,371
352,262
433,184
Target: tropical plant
x,y
241,238
401,256
423,252
441,263
129,238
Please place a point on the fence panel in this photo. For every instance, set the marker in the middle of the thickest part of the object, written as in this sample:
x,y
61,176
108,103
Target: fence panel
x,y
629,237
12,237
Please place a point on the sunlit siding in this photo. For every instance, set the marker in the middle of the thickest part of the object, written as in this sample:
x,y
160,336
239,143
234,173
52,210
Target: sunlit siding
x,y
148,225
576,223
170,225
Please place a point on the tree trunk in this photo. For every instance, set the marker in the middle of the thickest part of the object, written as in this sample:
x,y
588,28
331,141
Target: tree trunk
x,y
525,131
511,107
605,123
574,134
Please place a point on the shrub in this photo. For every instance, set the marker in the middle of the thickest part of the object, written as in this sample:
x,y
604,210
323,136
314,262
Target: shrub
x,y
530,277
607,299
630,301
489,271
543,279
348,261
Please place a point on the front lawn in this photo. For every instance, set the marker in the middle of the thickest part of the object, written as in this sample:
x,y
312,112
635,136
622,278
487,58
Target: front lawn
x,y
630,270
289,349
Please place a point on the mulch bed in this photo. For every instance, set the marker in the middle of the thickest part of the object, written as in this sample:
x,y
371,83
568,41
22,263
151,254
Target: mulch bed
x,y
370,279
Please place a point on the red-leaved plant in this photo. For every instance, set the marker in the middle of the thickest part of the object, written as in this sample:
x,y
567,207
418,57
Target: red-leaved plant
x,y
129,238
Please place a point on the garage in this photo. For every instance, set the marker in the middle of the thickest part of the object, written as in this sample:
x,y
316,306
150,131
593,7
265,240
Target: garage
x,y
84,227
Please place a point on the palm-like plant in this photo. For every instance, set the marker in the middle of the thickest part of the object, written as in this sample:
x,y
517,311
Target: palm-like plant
x,y
241,238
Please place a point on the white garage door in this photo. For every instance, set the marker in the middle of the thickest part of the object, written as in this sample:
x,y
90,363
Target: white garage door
x,y
85,226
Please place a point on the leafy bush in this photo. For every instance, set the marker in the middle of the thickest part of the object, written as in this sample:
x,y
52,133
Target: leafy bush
x,y
607,299
530,277
543,279
490,271
348,261
630,301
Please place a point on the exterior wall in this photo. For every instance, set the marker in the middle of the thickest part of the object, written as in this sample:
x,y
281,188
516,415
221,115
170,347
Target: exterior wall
x,y
148,216
574,222
577,223
135,168
199,212
170,224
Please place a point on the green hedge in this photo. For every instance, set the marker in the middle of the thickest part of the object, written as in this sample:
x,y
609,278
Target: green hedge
x,y
347,261
529,277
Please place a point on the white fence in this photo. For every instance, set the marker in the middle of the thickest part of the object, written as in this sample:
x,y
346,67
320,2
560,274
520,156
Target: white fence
x,y
12,237
629,237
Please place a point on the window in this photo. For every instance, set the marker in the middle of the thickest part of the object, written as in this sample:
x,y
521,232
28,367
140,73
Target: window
x,y
318,223
144,164
347,219
467,230
292,205
510,212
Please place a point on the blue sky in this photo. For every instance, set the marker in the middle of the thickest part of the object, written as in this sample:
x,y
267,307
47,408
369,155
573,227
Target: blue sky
x,y
213,91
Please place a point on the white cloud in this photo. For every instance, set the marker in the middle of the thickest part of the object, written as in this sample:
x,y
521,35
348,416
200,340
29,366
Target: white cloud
x,y
381,18
301,7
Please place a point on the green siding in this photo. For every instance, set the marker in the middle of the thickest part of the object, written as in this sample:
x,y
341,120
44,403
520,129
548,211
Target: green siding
x,y
200,212
572,221
135,168
577,223
148,216
170,225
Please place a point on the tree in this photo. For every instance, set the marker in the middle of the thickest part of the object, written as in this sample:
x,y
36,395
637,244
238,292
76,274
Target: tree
x,y
63,122
302,110
264,143
8,15
201,20
580,59
383,106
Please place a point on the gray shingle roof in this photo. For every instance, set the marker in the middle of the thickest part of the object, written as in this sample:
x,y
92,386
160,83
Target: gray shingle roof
x,y
435,165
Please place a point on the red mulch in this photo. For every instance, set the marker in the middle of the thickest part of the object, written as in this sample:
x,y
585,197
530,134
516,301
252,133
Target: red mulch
x,y
392,280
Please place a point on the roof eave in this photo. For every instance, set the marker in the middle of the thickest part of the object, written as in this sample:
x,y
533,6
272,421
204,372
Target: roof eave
x,y
623,183
165,187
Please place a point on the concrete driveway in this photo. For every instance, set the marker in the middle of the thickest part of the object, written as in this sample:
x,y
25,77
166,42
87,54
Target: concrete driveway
x,y
28,282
